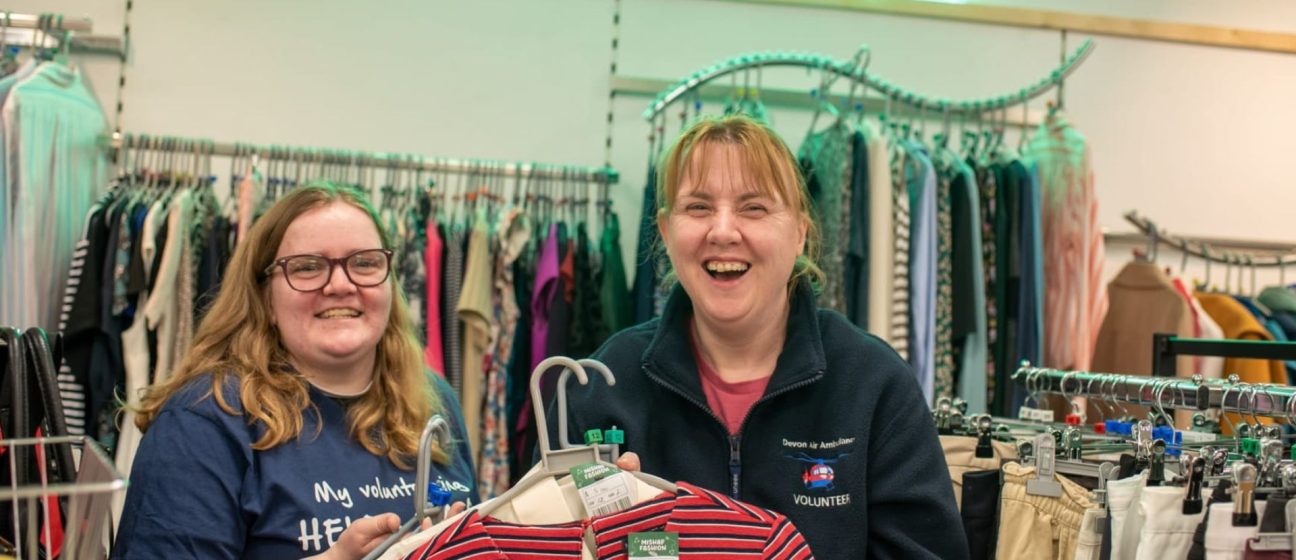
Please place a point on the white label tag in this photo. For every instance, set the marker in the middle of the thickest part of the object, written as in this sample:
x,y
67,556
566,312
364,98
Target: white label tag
x,y
1035,414
603,489
1198,437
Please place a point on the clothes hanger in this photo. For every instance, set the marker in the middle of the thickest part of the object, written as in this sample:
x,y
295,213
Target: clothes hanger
x,y
612,448
858,63
436,430
820,94
1025,122
559,462
553,462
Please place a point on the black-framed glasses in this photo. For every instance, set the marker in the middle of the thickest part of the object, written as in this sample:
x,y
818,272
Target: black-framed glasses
x,y
309,273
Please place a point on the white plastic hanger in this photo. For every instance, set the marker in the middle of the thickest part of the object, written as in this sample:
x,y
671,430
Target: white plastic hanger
x,y
436,428
558,462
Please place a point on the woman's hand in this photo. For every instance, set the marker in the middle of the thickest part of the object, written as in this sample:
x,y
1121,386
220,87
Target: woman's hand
x,y
361,537
628,461
366,533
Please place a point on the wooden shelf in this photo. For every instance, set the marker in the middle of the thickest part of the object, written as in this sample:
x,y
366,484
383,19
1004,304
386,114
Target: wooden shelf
x,y
1151,30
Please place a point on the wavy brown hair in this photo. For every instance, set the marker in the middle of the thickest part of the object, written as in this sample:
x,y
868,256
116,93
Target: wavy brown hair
x,y
772,166
237,339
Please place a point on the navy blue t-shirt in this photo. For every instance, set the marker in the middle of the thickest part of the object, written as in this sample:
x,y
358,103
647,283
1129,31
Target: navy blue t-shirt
x,y
199,490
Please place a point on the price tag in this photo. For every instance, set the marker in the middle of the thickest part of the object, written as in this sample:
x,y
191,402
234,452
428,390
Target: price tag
x,y
653,546
1198,437
1034,414
601,490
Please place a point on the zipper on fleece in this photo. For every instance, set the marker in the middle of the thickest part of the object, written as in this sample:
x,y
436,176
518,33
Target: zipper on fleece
x,y
735,441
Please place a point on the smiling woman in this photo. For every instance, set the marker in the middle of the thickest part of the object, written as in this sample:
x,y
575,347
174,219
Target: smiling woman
x,y
739,160
745,386
304,388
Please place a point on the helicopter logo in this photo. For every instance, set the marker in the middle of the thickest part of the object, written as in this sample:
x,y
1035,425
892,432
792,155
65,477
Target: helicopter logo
x,y
818,475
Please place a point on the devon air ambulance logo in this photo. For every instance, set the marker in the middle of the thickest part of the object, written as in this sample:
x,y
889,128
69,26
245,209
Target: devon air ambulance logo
x,y
818,475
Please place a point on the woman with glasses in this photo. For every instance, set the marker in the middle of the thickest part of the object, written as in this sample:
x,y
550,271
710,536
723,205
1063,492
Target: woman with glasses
x,y
291,427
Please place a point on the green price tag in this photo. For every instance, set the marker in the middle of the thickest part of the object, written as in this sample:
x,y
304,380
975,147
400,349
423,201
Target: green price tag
x,y
656,545
602,492
589,473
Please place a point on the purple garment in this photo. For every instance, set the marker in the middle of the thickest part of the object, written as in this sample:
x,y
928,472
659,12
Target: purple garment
x,y
542,298
546,284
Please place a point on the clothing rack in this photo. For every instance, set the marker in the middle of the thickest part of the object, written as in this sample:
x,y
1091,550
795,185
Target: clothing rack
x,y
45,21
55,30
1165,347
1255,253
1185,394
600,175
858,73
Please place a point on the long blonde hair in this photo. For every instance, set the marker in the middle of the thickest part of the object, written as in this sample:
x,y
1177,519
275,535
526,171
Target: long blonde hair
x,y
771,164
237,338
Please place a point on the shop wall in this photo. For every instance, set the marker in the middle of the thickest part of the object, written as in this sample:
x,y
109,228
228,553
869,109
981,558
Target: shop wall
x,y
1196,137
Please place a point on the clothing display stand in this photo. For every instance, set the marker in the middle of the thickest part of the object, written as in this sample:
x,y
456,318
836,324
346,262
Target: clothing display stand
x,y
1246,253
604,175
1174,393
859,73
1165,347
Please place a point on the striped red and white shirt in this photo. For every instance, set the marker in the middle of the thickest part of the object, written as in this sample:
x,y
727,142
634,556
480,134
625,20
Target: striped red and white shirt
x,y
709,525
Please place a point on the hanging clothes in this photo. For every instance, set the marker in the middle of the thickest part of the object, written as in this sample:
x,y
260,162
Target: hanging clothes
x,y
968,319
826,162
586,331
856,261
900,294
433,256
647,261
1144,302
1038,526
413,271
477,319
614,296
79,323
452,282
1239,324
881,232
1075,299
512,233
1017,287
52,172
924,253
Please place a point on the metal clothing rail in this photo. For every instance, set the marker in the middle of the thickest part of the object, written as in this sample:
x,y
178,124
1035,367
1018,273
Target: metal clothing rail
x,y
1208,249
54,31
849,70
1165,347
45,21
1249,399
600,175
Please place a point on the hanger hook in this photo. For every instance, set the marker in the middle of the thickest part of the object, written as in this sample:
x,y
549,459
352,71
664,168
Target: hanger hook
x,y
1255,418
1160,404
1269,398
1088,389
1123,383
564,441
438,430
537,401
1075,407
1251,265
1032,386
1108,398
1291,409
1244,389
1228,388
